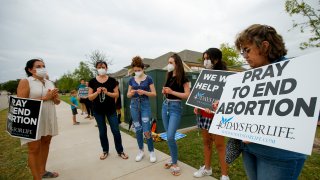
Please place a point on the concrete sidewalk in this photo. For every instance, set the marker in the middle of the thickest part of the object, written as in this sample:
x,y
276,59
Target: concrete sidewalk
x,y
75,152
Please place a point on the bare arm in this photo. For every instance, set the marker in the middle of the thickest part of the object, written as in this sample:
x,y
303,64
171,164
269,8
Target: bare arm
x,y
130,92
56,99
183,95
152,92
92,95
115,93
23,89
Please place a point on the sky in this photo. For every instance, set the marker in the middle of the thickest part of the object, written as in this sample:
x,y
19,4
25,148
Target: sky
x,y
63,33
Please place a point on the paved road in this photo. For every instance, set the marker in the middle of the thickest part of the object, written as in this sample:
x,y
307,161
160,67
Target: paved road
x,y
3,100
74,153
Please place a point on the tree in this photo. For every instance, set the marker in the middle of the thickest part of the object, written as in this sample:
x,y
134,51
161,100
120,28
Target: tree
x,y
70,81
231,56
11,86
83,72
67,82
312,22
95,56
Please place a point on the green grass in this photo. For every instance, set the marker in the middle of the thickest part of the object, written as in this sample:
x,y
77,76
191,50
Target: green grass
x,y
13,157
191,153
65,98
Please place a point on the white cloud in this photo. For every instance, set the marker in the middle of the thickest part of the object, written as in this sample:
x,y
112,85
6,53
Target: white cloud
x,y
63,32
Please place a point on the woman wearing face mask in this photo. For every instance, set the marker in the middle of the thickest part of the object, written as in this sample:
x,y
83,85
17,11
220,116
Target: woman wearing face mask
x,y
102,91
141,87
212,60
176,88
261,45
36,86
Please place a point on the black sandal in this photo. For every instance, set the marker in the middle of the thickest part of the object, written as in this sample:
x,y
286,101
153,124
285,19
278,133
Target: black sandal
x,y
123,155
49,174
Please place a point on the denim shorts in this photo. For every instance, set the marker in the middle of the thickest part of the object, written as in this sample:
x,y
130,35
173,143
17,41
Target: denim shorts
x,y
74,111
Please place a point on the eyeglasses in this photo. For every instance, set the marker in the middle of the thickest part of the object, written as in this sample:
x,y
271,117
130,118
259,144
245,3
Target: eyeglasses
x,y
245,51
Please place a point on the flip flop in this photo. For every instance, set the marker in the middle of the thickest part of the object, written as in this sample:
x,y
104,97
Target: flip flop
x,y
168,164
123,155
104,156
49,174
176,171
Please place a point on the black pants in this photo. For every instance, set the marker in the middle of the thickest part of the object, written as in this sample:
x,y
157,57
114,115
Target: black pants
x,y
88,105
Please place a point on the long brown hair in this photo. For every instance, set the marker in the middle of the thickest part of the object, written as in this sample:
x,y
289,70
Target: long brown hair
x,y
180,74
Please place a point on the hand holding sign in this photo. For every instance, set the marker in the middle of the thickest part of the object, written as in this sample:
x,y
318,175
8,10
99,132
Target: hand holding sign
x,y
273,105
23,117
207,89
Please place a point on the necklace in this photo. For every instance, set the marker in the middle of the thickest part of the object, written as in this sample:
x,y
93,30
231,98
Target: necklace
x,y
102,97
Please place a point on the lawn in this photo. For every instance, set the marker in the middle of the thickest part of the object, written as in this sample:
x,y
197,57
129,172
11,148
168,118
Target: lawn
x,y
13,157
191,150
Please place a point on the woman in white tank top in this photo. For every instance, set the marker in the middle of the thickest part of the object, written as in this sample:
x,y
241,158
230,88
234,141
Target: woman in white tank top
x,y
36,86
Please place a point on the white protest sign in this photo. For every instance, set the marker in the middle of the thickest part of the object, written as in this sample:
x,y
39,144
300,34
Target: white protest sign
x,y
276,105
24,117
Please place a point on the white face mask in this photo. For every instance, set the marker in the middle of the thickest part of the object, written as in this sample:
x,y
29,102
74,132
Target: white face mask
x,y
170,67
41,72
102,71
207,64
138,74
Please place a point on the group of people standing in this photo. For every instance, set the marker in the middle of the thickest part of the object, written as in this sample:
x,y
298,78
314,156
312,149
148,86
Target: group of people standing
x,y
259,44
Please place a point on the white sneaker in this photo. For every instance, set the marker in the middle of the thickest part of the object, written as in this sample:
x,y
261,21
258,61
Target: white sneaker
x,y
223,177
153,157
202,172
139,156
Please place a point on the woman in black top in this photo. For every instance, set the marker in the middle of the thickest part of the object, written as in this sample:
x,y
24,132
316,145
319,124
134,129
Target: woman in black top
x,y
176,88
103,91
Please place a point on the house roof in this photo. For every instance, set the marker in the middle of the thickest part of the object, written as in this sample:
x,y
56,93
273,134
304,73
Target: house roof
x,y
161,62
187,56
190,56
120,73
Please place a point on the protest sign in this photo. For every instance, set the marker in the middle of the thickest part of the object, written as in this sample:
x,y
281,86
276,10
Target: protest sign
x,y
276,105
208,88
23,117
83,92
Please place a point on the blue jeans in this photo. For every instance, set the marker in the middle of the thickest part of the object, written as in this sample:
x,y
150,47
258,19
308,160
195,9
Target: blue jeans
x,y
171,117
263,162
114,125
141,113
